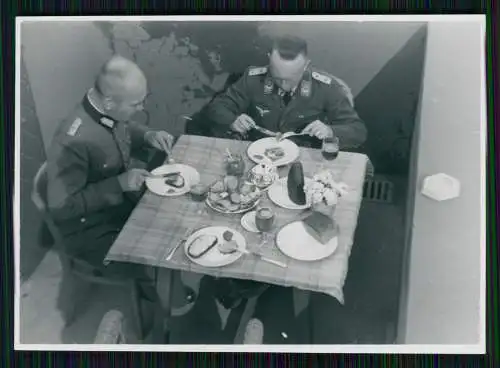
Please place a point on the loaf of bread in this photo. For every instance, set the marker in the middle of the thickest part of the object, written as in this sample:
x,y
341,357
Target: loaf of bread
x,y
320,227
201,245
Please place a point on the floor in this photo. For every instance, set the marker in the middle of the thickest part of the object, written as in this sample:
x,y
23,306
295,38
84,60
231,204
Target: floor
x,y
369,315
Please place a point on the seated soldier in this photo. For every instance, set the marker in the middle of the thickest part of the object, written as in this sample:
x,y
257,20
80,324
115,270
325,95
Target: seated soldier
x,y
288,95
91,188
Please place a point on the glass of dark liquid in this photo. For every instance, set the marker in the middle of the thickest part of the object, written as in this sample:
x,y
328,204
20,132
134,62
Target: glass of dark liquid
x,y
264,220
330,148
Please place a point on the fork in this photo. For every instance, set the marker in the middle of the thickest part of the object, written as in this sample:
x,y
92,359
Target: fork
x,y
183,240
287,135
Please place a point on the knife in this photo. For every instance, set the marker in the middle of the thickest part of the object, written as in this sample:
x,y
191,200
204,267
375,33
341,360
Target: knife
x,y
182,241
265,131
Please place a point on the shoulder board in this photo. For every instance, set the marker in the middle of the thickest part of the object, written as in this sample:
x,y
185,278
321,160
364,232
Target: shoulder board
x,y
257,71
74,127
107,122
322,77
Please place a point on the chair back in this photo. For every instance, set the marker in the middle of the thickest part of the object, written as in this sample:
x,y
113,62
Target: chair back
x,y
39,198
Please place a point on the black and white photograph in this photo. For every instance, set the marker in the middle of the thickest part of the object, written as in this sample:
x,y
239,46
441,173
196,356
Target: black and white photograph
x,y
251,183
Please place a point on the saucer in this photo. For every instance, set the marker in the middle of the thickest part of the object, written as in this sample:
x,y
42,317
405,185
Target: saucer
x,y
248,222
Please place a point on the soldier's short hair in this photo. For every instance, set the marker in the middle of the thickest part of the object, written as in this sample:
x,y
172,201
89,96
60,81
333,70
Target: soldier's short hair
x,y
289,47
112,74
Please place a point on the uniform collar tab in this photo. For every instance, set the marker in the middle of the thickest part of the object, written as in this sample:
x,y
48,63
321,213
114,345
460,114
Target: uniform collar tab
x,y
97,115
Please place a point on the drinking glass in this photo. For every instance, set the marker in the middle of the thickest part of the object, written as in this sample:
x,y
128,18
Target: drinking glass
x,y
330,148
264,220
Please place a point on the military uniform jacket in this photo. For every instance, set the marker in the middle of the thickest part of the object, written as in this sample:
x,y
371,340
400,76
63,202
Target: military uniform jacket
x,y
317,97
83,193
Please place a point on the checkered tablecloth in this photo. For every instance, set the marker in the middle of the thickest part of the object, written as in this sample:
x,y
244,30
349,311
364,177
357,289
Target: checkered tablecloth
x,y
159,223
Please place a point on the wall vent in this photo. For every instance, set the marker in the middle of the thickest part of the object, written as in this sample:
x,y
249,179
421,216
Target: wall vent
x,y
378,191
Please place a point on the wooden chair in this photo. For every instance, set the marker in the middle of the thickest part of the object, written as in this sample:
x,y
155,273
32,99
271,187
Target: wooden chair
x,y
77,269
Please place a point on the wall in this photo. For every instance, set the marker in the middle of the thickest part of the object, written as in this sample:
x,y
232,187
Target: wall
x,y
32,156
62,60
388,104
186,62
441,290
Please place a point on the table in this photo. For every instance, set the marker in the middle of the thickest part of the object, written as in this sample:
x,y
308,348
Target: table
x,y
158,223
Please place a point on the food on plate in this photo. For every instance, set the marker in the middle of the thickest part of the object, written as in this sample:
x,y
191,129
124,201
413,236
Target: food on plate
x,y
295,184
199,192
217,187
274,153
320,227
258,157
226,205
201,245
229,246
231,194
174,179
263,174
231,183
235,198
246,189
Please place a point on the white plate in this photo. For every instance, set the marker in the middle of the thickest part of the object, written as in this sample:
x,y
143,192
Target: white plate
x,y
248,222
214,258
259,147
158,186
295,242
278,193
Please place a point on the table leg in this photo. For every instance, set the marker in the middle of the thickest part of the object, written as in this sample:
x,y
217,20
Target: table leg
x,y
301,300
164,287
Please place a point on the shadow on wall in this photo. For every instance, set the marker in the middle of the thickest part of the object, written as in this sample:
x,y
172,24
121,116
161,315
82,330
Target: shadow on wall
x,y
388,105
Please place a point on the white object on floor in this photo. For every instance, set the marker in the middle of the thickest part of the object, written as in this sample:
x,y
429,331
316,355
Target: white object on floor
x,y
441,187
295,242
158,186
278,194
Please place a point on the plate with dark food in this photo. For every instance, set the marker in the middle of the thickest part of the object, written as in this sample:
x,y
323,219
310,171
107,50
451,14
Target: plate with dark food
x,y
172,180
232,195
214,246
269,149
288,192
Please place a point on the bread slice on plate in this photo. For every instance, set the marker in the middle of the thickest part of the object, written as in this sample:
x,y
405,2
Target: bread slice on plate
x,y
320,226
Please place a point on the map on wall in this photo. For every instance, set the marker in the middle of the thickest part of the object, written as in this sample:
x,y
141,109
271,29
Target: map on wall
x,y
184,64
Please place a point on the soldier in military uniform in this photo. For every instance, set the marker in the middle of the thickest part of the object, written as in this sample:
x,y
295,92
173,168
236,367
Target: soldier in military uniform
x,y
288,95
91,188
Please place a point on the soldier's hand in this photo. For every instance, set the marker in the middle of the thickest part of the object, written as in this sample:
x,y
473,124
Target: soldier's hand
x,y
318,129
243,124
132,180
